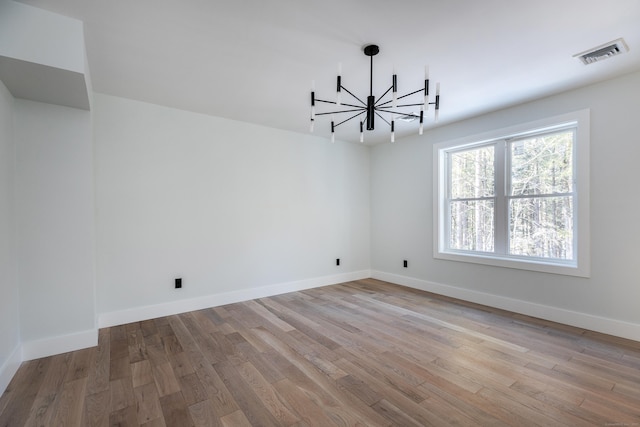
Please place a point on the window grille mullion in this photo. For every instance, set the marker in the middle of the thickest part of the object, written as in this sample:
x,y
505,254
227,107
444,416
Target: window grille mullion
x,y
501,202
541,196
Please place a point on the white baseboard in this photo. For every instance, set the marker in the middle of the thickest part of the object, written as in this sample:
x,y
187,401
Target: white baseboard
x,y
181,306
59,344
555,314
10,367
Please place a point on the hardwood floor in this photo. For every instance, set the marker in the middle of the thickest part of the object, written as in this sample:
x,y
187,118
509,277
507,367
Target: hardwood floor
x,y
364,353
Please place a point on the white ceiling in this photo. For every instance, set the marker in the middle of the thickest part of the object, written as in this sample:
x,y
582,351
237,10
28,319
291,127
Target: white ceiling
x,y
254,60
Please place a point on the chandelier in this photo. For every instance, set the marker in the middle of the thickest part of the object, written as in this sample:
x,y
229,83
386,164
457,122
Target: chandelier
x,y
388,111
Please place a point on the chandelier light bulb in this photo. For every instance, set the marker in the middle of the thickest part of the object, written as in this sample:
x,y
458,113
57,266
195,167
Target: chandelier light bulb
x,y
426,88
394,85
393,129
437,115
333,132
339,84
313,101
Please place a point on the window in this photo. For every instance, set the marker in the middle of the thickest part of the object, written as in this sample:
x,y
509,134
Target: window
x,y
517,197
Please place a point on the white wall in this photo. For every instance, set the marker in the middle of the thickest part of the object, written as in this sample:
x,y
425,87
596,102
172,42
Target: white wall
x,y
402,217
55,228
227,206
42,56
38,36
10,356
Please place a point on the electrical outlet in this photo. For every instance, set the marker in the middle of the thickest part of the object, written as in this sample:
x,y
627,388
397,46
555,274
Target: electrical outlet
x,y
405,263
337,261
179,283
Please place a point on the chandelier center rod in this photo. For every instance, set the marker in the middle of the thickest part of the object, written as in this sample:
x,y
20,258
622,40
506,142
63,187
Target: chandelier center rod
x,y
371,51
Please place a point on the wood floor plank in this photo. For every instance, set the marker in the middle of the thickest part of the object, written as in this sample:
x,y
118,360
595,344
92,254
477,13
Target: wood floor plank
x,y
236,419
155,351
136,342
81,362
267,394
181,364
124,417
175,410
24,389
395,416
192,389
119,368
261,361
42,410
220,397
117,333
365,353
147,403
246,398
269,315
56,374
202,339
395,379
148,327
121,394
320,378
141,373
98,380
302,382
96,409
612,413
70,403
393,398
171,344
204,414
156,422
307,408
5,398
118,348
165,379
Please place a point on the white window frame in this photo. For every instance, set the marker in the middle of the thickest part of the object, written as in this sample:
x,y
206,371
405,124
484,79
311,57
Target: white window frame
x,y
580,265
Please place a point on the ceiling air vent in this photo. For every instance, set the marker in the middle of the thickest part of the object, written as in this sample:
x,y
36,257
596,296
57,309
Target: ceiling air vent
x,y
409,117
602,52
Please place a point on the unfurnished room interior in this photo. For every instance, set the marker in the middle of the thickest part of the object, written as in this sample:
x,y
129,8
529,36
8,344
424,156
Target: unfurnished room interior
x,y
337,213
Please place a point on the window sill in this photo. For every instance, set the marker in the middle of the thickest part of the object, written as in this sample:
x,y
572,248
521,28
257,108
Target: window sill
x,y
544,266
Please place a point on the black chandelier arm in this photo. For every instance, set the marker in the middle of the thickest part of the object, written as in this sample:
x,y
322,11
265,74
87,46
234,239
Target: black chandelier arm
x,y
399,113
409,94
382,96
383,119
436,103
349,92
352,117
335,103
361,110
386,109
404,96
